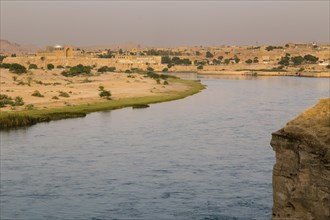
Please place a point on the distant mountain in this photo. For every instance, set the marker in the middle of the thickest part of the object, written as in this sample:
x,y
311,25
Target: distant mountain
x,y
7,47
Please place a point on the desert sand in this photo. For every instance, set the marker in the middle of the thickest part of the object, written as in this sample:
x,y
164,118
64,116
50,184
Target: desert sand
x,y
81,89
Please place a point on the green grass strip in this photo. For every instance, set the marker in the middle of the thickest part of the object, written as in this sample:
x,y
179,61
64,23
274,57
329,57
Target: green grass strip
x,y
30,117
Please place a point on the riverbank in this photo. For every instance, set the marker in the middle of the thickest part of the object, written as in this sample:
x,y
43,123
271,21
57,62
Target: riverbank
x,y
301,173
207,74
82,94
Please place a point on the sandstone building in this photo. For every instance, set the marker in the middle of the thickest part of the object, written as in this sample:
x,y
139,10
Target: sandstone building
x,y
59,51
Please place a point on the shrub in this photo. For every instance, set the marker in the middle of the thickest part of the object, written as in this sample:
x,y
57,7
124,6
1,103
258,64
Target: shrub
x,y
165,70
128,71
77,70
165,82
54,97
153,75
237,59
37,94
150,69
156,76
200,67
38,82
137,70
63,94
17,68
158,81
209,54
18,101
328,66
33,66
284,61
170,65
29,107
50,66
166,59
311,58
297,60
60,67
5,100
178,61
269,48
106,69
104,93
5,65
248,61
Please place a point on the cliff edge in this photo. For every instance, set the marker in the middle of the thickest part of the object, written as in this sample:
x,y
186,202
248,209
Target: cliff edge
x,y
301,174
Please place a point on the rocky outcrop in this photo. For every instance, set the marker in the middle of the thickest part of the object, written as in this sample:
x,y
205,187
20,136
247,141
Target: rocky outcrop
x,y
301,175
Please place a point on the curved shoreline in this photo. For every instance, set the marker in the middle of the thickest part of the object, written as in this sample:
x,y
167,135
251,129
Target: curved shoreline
x,y
202,74
30,117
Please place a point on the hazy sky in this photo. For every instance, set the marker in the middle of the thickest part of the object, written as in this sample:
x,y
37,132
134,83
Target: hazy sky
x,y
164,23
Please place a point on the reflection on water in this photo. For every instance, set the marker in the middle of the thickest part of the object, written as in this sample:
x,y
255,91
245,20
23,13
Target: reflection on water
x,y
231,77
204,157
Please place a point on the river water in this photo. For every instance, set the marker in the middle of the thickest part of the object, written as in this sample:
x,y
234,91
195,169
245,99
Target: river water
x,y
203,157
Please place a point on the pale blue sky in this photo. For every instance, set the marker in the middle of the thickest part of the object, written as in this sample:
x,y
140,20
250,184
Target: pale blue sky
x,y
164,23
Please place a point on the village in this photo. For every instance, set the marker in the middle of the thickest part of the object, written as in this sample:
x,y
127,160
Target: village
x,y
302,59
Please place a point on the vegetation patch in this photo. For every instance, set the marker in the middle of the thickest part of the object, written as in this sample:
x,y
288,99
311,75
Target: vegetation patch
x,y
33,66
77,70
15,68
5,65
156,76
63,94
37,94
137,70
175,61
104,69
104,93
50,66
6,100
140,106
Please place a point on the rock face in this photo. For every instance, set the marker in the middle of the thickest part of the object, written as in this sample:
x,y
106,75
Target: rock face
x,y
301,175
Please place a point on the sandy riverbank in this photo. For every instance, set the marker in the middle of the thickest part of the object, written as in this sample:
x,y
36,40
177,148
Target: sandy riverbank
x,y
83,91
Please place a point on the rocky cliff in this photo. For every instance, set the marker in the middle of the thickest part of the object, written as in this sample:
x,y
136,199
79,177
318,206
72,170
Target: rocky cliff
x,y
301,175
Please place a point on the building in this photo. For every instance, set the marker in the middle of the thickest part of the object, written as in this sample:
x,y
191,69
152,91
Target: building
x,y
130,59
59,51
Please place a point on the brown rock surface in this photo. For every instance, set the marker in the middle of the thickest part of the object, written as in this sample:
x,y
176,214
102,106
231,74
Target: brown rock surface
x,y
301,175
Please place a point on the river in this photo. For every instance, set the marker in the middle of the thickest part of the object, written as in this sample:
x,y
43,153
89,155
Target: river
x,y
203,157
